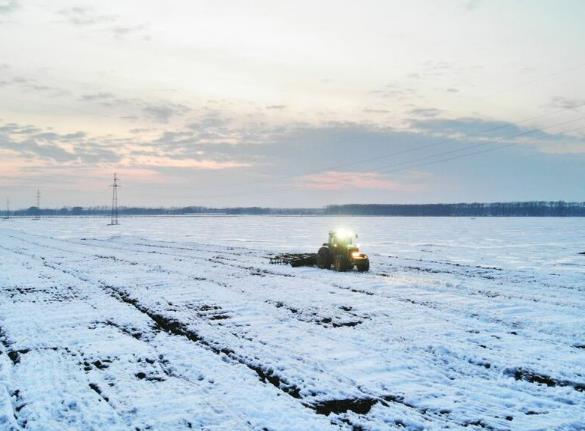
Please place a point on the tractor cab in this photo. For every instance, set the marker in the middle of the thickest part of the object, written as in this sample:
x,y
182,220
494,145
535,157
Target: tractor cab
x,y
342,238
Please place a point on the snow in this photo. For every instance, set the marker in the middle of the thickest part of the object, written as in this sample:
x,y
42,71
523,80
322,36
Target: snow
x,y
177,323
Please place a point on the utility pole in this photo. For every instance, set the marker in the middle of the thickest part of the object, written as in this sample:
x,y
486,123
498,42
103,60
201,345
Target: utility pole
x,y
7,208
38,214
115,186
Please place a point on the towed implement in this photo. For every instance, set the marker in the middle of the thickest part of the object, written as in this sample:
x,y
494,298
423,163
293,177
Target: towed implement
x,y
341,252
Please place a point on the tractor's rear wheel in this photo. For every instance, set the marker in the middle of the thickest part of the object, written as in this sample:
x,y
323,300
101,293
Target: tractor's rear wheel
x,y
342,263
324,258
363,266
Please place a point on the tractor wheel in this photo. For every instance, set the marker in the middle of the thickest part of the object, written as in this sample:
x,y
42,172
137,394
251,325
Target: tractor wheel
x,y
342,263
363,266
324,258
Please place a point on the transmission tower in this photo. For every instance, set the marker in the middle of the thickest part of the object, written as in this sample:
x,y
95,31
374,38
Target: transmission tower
x,y
38,214
115,187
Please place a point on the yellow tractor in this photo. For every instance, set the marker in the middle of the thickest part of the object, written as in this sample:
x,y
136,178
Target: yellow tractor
x,y
342,251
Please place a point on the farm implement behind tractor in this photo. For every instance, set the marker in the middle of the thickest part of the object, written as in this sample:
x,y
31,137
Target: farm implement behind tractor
x,y
341,252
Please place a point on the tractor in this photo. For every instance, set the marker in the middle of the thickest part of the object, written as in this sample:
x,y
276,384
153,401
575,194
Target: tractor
x,y
342,252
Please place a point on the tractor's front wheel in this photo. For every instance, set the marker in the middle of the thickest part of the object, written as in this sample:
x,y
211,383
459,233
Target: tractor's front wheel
x,y
363,266
324,258
342,263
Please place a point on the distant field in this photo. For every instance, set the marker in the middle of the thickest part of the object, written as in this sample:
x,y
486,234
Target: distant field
x,y
176,323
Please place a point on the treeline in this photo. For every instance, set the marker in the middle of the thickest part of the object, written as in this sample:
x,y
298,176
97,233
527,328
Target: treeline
x,y
496,209
143,211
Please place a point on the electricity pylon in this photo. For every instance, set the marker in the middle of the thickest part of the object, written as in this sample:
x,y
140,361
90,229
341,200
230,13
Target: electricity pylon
x,y
115,186
38,214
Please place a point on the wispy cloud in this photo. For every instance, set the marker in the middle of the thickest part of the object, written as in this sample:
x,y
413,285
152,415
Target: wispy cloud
x,y
425,112
567,103
202,164
165,111
80,149
136,109
82,16
85,16
334,180
395,91
8,6
375,111
564,137
472,5
98,97
30,85
36,143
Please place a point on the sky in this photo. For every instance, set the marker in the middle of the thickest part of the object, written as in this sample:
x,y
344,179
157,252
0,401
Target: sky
x,y
291,103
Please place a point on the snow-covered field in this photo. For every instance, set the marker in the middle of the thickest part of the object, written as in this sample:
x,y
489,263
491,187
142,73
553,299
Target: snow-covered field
x,y
179,323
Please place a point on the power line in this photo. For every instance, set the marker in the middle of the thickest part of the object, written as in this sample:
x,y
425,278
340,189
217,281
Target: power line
x,y
482,144
459,156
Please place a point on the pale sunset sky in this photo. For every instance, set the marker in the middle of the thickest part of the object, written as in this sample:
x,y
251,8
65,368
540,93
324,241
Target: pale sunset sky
x,y
291,103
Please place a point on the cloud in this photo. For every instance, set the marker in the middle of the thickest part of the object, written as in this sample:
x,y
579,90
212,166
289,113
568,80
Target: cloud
x,y
476,130
202,164
139,130
165,111
425,112
8,6
25,84
127,30
375,111
85,16
35,143
287,149
36,147
567,103
432,69
31,85
159,111
276,107
79,148
334,180
81,16
307,160
16,129
472,5
396,92
465,127
331,157
97,97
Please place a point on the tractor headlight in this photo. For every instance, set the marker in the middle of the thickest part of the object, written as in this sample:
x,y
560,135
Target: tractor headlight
x,y
344,233
355,254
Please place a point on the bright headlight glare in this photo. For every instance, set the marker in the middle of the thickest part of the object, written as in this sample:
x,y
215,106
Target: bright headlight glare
x,y
355,254
344,233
